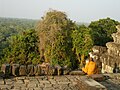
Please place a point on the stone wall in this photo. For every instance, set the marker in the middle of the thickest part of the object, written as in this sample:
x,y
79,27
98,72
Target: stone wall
x,y
33,70
110,57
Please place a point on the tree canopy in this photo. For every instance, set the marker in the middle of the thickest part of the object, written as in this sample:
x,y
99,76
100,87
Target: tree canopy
x,y
55,41
22,49
102,29
82,42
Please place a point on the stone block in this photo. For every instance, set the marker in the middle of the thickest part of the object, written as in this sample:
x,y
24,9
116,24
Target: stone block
x,y
31,85
2,82
6,69
30,70
58,70
9,81
44,69
77,73
22,70
97,77
37,70
66,70
15,69
38,88
51,70
89,84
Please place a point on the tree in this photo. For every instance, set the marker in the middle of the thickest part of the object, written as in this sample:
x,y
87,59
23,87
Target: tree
x,y
102,30
82,42
22,49
55,41
10,27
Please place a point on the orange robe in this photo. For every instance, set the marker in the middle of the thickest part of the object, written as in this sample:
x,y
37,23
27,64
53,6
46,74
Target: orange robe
x,y
90,68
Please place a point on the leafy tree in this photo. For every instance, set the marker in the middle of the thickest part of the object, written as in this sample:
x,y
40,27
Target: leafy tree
x,y
22,48
55,41
82,42
10,27
102,30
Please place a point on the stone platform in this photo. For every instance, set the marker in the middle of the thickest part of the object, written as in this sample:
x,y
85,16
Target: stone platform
x,y
40,83
66,82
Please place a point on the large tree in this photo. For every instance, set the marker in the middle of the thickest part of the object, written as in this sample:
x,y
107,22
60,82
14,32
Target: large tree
x,y
102,30
55,41
82,42
22,48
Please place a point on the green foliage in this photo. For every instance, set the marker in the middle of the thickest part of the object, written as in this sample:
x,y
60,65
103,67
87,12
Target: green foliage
x,y
22,48
102,30
9,27
82,42
55,41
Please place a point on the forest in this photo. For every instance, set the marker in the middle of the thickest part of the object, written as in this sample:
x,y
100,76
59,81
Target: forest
x,y
54,38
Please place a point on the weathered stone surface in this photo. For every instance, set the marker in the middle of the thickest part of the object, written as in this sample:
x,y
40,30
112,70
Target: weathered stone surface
x,y
44,69
5,87
19,81
97,77
112,82
6,69
31,85
51,70
37,69
113,48
67,82
90,84
111,58
38,89
77,73
66,70
58,70
99,49
9,81
19,78
15,69
30,70
22,70
2,82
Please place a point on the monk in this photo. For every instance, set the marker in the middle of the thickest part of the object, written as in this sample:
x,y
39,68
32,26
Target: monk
x,y
90,67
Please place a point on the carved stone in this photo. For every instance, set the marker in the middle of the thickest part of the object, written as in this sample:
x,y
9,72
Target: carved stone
x,y
6,69
22,70
15,69
30,70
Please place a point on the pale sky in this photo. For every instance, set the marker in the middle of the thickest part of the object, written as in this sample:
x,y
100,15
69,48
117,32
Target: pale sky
x,y
77,10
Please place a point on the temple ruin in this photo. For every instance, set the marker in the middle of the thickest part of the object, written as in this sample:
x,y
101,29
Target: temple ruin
x,y
109,56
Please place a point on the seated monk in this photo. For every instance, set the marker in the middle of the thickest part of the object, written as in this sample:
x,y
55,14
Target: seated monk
x,y
90,67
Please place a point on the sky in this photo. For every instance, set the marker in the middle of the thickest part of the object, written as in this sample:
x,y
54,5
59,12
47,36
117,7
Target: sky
x,y
76,10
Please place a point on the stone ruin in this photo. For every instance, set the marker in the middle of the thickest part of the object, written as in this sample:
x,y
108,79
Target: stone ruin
x,y
109,56
33,70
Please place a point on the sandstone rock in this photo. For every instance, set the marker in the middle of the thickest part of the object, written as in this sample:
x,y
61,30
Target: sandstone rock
x,y
118,28
22,70
44,69
15,69
30,70
77,73
66,70
37,70
99,49
58,69
112,55
6,69
51,70
97,77
86,83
